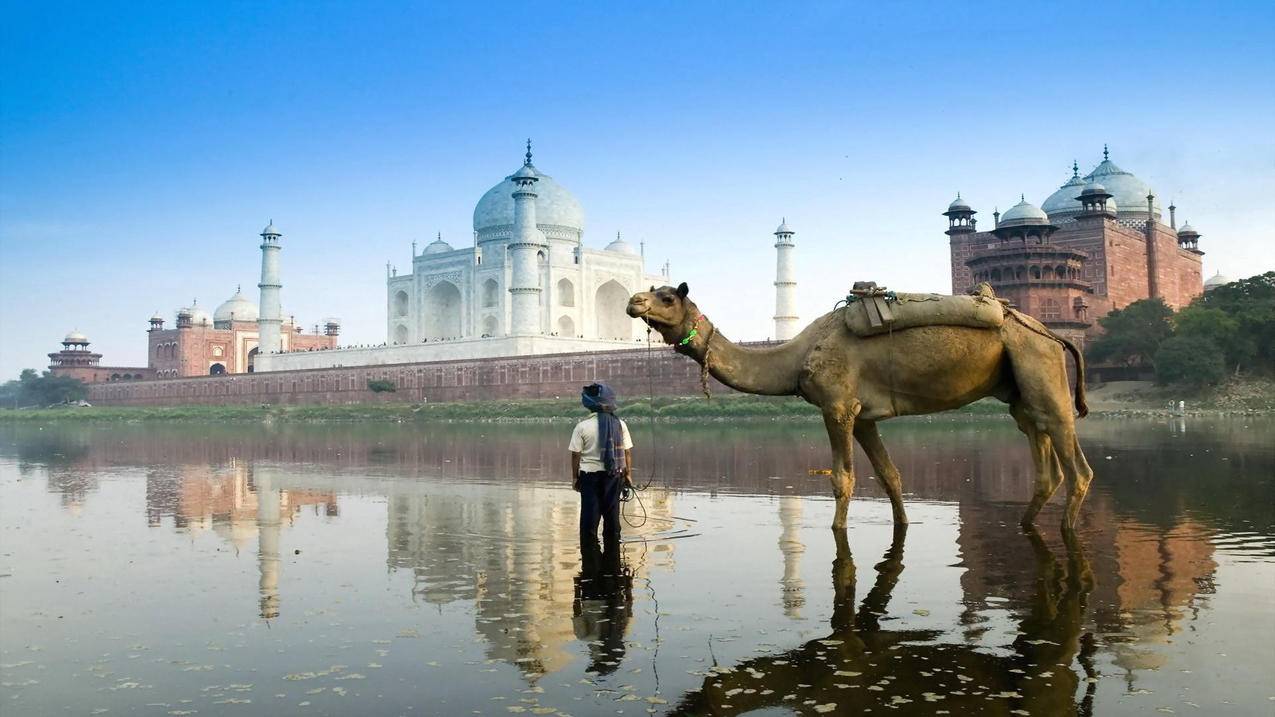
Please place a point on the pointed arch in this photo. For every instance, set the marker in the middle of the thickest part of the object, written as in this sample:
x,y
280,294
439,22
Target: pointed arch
x,y
491,294
442,311
566,326
609,303
566,293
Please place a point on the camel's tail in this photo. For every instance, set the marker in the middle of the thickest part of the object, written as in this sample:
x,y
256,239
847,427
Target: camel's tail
x,y
1082,408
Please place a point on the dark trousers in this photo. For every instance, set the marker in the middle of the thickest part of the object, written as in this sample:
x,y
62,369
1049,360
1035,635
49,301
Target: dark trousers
x,y
600,502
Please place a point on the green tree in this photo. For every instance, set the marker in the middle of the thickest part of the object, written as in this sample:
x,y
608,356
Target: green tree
x,y
1251,304
1217,326
1132,335
1190,360
33,389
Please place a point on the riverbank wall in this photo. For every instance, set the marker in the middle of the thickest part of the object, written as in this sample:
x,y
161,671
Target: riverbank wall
x,y
633,373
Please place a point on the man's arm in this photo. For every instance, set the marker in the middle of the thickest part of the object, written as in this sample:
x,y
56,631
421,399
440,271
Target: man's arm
x,y
575,471
628,466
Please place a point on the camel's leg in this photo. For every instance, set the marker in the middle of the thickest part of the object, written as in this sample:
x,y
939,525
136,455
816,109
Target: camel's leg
x,y
870,439
1048,471
840,425
1074,464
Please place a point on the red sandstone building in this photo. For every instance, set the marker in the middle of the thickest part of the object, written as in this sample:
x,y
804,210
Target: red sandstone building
x,y
1096,244
199,345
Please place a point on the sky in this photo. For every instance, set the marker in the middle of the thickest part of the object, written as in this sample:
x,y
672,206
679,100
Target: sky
x,y
143,146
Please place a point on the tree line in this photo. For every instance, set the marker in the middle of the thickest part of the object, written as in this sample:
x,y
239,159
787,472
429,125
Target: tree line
x,y
34,389
1229,330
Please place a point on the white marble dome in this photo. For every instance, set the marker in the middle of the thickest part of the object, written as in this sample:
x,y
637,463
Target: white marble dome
x,y
1129,192
1023,213
1216,280
555,206
236,308
438,246
1064,200
198,317
75,337
620,246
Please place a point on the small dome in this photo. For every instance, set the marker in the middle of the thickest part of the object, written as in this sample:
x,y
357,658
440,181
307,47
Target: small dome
x,y
958,205
1188,230
157,317
1023,213
236,308
438,246
198,317
784,228
270,230
526,171
620,246
1216,280
75,337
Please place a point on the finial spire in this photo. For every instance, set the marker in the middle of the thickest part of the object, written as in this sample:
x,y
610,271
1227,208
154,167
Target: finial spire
x,y
440,236
617,235
1022,197
238,288
1075,169
527,162
1105,154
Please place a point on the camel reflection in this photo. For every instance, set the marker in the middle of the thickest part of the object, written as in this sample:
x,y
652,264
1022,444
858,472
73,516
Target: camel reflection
x,y
862,666
603,605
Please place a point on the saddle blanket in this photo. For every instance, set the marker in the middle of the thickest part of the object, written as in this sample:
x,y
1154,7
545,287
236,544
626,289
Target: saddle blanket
x,y
871,311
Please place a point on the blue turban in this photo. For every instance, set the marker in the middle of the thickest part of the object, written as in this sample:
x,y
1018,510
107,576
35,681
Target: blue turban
x,y
599,398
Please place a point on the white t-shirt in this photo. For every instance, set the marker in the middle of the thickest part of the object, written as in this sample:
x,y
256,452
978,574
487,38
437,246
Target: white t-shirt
x,y
584,440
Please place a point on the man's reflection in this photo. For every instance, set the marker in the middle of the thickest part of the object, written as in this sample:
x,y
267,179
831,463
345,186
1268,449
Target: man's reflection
x,y
863,665
603,603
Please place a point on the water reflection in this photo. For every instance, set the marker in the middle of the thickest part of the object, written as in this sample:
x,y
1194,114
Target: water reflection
x,y
863,665
473,545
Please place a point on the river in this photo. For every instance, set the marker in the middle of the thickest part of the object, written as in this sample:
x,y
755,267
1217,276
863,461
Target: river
x,y
399,569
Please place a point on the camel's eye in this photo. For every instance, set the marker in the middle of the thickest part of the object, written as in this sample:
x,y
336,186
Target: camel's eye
x,y
667,300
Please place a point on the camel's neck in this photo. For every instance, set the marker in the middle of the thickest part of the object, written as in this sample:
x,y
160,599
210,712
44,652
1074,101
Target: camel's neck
x,y
768,371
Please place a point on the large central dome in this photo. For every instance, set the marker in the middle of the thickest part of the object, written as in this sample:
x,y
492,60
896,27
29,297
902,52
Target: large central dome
x,y
555,207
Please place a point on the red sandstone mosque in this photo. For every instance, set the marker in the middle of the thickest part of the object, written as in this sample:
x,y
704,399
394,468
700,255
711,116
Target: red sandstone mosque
x,y
1098,243
201,345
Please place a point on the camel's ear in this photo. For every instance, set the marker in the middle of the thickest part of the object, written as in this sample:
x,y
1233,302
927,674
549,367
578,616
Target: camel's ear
x,y
683,290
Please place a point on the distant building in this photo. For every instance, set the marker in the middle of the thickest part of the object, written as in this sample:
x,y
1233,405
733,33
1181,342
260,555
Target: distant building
x,y
202,345
77,361
1098,243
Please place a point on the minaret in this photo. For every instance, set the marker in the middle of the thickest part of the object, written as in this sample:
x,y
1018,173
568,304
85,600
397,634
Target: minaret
x,y
1153,264
527,240
785,285
269,510
270,318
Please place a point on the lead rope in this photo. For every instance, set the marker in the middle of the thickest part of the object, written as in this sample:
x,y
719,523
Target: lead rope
x,y
629,495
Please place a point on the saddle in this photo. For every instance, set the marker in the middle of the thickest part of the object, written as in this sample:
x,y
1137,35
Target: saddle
x,y
871,310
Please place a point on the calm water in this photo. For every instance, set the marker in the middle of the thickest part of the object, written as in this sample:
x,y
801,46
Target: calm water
x,y
435,571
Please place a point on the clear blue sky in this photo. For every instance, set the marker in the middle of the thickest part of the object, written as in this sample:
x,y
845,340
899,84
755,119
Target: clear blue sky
x,y
143,148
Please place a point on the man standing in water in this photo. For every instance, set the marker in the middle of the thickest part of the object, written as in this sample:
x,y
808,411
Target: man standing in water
x,y
601,465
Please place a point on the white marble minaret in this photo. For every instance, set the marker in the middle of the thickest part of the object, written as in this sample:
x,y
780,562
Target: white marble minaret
x,y
269,318
269,512
524,285
785,285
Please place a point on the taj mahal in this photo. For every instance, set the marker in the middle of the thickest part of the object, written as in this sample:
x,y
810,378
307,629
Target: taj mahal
x,y
528,285
527,274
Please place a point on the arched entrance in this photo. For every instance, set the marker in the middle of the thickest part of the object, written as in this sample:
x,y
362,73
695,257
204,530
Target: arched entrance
x,y
252,359
566,327
490,327
217,370
400,334
442,311
400,303
608,307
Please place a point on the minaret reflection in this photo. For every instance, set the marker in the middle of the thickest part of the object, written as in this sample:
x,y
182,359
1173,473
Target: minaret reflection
x,y
792,548
862,665
269,507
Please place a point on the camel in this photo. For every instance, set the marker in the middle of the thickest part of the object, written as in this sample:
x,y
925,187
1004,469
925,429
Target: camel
x,y
858,381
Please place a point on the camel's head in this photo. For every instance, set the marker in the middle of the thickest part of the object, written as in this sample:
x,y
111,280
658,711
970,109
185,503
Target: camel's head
x,y
667,310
